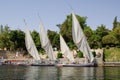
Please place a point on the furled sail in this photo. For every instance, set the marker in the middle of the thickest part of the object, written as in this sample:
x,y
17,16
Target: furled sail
x,y
31,48
65,49
80,39
46,45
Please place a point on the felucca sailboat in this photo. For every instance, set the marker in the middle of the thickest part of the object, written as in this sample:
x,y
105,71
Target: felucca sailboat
x,y
81,42
46,45
31,48
65,50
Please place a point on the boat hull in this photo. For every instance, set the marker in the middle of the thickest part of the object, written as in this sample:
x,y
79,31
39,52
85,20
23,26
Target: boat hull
x,y
76,65
42,64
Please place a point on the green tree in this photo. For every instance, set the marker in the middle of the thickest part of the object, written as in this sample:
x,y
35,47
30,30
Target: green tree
x,y
66,28
109,40
12,39
95,41
88,31
115,23
117,33
36,38
102,31
1,29
5,38
17,39
51,35
54,38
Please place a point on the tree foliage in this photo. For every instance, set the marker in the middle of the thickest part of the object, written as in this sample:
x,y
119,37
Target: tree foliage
x,y
17,39
109,40
117,33
12,39
54,39
101,37
102,31
5,38
88,31
36,38
115,23
66,29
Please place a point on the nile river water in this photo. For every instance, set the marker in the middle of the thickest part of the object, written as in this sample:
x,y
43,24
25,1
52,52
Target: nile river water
x,y
58,73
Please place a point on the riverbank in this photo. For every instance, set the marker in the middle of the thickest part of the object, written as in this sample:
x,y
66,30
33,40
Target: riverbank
x,y
111,64
110,57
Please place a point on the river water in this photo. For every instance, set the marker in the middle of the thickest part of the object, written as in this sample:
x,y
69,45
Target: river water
x,y
58,73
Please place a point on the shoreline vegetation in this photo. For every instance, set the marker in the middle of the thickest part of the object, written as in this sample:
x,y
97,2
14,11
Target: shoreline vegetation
x,y
109,55
112,54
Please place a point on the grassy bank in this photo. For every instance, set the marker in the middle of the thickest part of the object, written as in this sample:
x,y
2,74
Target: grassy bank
x,y
112,54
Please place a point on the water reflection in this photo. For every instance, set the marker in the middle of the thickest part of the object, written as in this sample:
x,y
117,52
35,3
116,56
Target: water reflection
x,y
112,73
12,72
41,73
58,73
75,73
32,73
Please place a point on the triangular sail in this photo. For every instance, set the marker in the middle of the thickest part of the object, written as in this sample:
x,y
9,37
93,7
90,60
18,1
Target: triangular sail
x,y
46,45
65,49
31,48
80,39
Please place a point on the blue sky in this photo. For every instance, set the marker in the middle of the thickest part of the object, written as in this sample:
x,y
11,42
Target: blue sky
x,y
52,12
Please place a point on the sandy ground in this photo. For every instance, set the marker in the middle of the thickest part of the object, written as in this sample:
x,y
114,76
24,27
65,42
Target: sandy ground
x,y
19,55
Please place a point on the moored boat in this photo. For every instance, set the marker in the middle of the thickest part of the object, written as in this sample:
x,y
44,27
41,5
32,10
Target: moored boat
x,y
42,64
79,65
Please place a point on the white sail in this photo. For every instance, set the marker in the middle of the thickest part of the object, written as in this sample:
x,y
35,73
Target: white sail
x,y
80,39
46,45
31,48
65,49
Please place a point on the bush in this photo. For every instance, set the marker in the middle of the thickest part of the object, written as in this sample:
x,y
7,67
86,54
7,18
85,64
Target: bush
x,y
94,53
107,47
42,51
80,54
59,55
118,46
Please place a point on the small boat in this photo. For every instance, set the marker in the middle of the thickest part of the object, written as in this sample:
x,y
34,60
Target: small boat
x,y
76,65
42,64
92,64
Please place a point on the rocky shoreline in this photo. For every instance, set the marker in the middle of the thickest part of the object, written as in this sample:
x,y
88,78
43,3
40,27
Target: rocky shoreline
x,y
11,56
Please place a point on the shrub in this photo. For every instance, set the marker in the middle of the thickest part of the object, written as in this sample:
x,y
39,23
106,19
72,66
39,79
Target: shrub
x,y
94,53
107,47
80,54
59,55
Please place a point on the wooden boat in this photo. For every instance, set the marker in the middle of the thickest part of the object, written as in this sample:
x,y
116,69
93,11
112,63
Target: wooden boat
x,y
76,65
42,64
